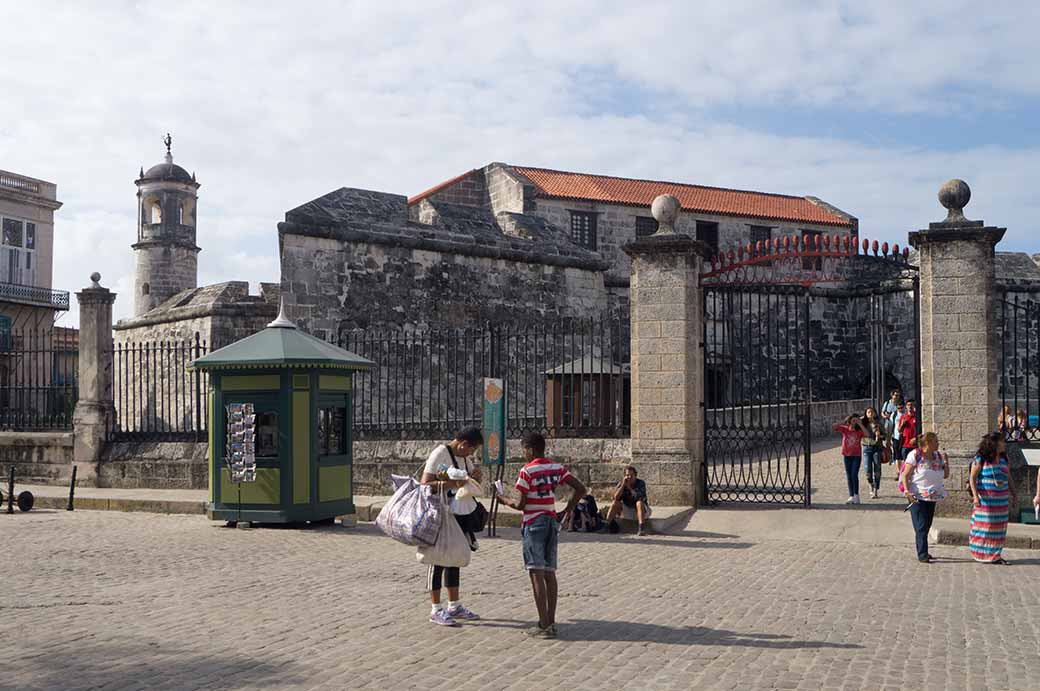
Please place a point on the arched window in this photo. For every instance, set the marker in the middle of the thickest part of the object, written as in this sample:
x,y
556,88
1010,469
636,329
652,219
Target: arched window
x,y
156,212
187,212
145,289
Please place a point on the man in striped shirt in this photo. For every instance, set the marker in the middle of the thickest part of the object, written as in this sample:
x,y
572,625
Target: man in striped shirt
x,y
537,485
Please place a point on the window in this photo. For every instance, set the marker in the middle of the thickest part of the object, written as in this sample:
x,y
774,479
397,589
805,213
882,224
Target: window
x,y
645,225
17,252
145,288
267,434
332,425
12,232
708,233
811,238
583,229
761,233
156,212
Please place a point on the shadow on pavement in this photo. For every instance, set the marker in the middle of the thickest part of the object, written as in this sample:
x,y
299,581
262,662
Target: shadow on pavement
x,y
657,541
150,664
628,631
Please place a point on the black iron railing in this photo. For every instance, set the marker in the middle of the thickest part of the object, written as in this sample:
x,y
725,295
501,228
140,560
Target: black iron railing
x,y
156,397
34,295
565,378
1019,418
38,388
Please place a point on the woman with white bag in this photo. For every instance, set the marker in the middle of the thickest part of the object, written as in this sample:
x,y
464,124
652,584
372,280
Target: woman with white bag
x,y
452,550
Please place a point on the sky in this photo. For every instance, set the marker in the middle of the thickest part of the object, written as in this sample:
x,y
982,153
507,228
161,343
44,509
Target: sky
x,y
869,106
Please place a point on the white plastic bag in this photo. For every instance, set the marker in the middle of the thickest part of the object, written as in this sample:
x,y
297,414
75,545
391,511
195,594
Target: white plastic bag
x,y
472,488
451,548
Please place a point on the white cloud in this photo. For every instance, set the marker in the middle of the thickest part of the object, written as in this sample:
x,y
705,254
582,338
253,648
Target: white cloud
x,y
273,106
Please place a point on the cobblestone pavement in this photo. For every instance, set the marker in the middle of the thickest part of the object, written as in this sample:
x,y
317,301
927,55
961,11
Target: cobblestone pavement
x,y
105,600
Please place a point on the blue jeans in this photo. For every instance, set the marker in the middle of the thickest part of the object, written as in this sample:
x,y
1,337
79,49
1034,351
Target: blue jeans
x,y
872,462
540,540
852,473
921,513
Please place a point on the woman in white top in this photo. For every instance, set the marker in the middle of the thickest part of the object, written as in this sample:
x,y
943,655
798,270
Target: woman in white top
x,y
924,473
447,457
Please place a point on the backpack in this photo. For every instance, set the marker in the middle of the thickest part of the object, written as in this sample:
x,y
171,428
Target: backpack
x,y
587,510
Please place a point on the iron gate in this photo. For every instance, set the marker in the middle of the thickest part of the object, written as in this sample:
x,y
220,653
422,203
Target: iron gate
x,y
757,415
760,340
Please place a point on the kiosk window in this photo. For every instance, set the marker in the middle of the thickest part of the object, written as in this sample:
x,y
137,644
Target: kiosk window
x,y
266,434
332,424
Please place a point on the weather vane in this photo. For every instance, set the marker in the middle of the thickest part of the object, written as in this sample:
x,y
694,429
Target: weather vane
x,y
167,140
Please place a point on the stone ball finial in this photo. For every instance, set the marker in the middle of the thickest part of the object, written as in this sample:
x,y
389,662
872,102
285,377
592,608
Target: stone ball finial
x,y
665,211
954,195
95,280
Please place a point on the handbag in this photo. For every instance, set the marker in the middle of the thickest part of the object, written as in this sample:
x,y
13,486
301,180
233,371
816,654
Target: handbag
x,y
886,454
474,521
450,549
413,515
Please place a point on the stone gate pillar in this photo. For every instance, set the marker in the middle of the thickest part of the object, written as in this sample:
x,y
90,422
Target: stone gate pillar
x,y
960,349
95,410
668,359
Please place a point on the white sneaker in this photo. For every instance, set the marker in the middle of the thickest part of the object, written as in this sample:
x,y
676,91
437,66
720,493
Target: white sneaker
x,y
873,494
855,499
850,500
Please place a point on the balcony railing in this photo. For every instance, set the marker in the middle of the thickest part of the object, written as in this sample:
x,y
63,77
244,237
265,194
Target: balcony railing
x,y
19,183
34,295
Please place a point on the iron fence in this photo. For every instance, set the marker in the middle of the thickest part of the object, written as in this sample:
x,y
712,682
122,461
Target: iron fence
x,y
38,387
563,378
156,397
1019,418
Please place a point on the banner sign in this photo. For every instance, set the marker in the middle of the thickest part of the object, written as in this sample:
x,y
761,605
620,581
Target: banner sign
x,y
240,454
494,422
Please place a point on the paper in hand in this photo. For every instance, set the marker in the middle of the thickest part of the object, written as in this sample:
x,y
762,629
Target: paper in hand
x,y
498,488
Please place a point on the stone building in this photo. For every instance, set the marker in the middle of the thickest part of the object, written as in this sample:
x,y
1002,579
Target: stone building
x,y
37,366
603,213
27,297
357,259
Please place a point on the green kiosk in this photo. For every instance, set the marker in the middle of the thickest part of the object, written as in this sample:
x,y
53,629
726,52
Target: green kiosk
x,y
279,427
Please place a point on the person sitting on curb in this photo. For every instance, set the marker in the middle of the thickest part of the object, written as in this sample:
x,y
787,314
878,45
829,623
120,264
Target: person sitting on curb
x,y
630,501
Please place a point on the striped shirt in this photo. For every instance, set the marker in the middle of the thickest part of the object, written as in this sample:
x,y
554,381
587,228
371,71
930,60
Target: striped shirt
x,y
538,481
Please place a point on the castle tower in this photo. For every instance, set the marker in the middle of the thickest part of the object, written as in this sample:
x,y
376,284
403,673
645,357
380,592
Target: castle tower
x,y
166,253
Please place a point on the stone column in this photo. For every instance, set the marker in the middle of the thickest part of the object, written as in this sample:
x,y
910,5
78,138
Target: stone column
x,y
668,359
960,346
95,411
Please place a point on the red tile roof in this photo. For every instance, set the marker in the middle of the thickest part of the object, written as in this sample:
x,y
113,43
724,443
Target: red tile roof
x,y
708,200
437,188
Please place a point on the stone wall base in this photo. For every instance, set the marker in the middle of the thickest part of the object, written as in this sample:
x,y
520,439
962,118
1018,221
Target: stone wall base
x,y
154,465
39,458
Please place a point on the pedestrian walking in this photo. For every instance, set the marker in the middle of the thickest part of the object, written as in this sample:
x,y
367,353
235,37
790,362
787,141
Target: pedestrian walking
x,y
908,430
924,474
990,489
852,453
447,470
873,449
889,411
540,532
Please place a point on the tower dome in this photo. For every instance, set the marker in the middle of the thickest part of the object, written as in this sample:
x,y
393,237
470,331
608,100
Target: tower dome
x,y
166,253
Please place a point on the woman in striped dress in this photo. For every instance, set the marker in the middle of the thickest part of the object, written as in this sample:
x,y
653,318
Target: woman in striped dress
x,y
989,490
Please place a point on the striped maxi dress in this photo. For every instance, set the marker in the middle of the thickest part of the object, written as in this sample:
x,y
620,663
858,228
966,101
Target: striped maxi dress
x,y
989,520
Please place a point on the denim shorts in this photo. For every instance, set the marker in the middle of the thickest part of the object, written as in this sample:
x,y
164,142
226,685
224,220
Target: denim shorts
x,y
540,539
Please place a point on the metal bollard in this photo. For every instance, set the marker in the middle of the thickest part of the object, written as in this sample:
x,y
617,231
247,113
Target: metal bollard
x,y
10,492
72,489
